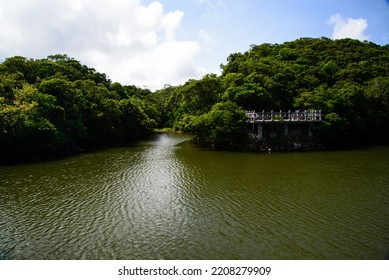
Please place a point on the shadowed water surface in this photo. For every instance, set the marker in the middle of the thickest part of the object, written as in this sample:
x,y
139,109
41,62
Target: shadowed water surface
x,y
167,199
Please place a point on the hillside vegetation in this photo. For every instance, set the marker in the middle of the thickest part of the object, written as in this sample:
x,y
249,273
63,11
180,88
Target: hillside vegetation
x,y
57,105
347,79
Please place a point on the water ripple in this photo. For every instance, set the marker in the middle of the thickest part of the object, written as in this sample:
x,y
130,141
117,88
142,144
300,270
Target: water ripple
x,y
166,199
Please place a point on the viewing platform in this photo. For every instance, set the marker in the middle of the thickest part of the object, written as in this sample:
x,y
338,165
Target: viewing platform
x,y
297,122
280,116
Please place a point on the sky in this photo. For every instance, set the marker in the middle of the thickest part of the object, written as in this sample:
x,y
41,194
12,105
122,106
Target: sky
x,y
154,43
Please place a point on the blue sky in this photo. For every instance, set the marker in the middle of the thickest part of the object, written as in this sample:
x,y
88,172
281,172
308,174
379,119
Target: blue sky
x,y
233,25
151,43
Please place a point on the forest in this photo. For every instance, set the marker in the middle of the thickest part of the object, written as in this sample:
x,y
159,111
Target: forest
x,y
57,106
346,79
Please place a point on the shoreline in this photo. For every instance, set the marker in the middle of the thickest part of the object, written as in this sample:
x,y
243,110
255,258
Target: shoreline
x,y
254,147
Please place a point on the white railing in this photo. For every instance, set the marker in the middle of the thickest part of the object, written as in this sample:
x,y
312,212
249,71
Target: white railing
x,y
280,116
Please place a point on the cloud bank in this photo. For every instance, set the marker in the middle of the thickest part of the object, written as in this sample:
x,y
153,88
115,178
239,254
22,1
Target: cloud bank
x,y
349,28
130,42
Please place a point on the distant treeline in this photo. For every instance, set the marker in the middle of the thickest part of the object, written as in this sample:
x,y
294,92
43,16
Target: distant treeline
x,y
57,105
347,79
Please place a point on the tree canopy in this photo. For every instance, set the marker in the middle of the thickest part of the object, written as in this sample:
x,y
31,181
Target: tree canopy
x,y
346,79
57,105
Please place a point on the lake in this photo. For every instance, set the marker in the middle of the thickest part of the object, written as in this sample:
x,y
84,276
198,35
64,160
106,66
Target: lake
x,y
165,198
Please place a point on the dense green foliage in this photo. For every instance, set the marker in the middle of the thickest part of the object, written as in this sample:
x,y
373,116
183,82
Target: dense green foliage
x,y
347,79
56,106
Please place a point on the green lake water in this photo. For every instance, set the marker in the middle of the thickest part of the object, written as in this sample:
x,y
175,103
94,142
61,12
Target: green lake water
x,y
167,199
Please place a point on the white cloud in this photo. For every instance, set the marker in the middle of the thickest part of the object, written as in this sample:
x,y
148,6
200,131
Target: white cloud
x,y
130,42
171,62
349,28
